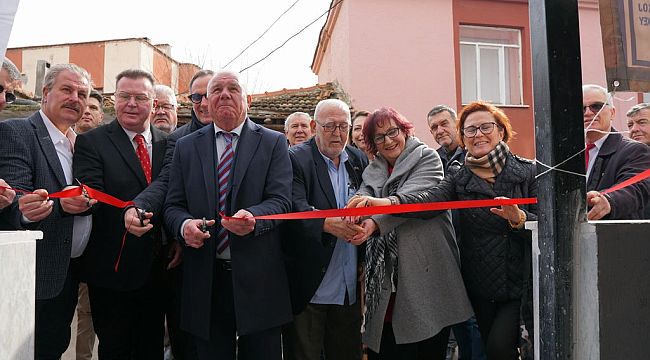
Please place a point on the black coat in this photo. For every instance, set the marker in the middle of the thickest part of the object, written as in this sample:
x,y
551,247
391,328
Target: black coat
x,y
105,160
309,249
494,257
153,197
619,159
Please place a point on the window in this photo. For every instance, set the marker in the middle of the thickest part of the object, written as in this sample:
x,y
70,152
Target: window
x,y
490,65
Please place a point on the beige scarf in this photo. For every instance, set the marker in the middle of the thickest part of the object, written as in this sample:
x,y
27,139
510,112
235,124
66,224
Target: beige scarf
x,y
490,165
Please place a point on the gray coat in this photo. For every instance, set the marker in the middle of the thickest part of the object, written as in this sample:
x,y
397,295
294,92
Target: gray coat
x,y
430,293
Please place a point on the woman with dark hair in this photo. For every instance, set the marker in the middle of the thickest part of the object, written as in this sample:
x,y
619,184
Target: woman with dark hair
x,y
493,245
356,133
414,290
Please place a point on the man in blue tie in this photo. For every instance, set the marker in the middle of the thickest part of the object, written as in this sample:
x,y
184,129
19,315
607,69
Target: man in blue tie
x,y
235,294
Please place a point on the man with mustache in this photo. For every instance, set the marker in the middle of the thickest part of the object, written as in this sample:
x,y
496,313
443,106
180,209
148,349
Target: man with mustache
x,y
164,115
36,155
610,159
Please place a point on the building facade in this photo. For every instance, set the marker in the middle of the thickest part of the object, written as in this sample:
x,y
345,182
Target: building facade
x,y
413,55
104,60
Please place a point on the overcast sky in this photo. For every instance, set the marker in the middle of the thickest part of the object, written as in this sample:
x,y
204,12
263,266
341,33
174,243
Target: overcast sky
x,y
208,33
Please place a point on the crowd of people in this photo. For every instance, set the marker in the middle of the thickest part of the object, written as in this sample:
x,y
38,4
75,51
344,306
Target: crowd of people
x,y
189,258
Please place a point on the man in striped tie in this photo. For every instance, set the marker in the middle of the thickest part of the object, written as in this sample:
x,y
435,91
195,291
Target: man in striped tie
x,y
235,294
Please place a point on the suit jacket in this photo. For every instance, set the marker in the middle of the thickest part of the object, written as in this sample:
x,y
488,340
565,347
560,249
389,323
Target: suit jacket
x,y
309,249
619,159
260,181
153,197
28,161
105,160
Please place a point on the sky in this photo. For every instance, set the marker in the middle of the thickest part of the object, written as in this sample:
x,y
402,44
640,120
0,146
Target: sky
x,y
209,33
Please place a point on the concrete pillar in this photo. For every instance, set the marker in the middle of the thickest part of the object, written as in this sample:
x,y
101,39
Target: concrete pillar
x,y
17,299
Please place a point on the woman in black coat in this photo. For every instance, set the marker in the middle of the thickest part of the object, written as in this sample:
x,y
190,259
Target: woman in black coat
x,y
494,247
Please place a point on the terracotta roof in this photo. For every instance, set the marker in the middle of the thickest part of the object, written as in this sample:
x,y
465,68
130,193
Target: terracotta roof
x,y
274,107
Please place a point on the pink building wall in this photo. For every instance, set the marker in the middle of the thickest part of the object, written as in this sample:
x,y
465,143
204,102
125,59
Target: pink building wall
x,y
593,60
372,59
411,74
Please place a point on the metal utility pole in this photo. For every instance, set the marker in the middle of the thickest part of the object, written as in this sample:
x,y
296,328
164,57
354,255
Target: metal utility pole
x,y
557,83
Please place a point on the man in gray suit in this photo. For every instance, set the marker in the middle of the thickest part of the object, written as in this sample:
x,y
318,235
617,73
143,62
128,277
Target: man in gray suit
x,y
36,156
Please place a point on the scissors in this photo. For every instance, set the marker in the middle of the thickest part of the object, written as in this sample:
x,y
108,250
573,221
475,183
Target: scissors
x,y
84,192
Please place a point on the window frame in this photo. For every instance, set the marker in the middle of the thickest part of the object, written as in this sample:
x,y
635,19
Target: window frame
x,y
503,98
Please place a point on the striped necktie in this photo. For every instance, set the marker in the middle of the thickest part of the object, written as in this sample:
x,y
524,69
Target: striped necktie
x,y
223,171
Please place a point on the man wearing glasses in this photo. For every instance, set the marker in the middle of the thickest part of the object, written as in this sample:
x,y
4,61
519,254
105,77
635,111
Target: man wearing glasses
x,y
610,159
152,198
164,115
322,264
124,273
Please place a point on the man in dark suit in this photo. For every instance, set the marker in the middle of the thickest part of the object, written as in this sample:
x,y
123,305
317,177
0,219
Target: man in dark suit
x,y
36,156
152,198
124,272
322,264
235,294
442,125
611,159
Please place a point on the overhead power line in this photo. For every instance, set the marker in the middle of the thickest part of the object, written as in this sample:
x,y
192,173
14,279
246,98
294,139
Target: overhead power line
x,y
291,37
265,31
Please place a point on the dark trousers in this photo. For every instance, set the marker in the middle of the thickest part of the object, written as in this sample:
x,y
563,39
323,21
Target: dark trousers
x,y
224,344
178,339
54,316
499,326
430,349
129,324
334,329
468,337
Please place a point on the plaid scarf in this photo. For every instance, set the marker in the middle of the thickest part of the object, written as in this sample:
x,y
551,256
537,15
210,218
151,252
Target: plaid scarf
x,y
377,248
489,166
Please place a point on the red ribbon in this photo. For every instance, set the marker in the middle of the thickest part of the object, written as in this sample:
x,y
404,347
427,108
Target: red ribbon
x,y
319,214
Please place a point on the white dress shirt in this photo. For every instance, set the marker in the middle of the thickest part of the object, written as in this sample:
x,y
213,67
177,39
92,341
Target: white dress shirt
x,y
64,145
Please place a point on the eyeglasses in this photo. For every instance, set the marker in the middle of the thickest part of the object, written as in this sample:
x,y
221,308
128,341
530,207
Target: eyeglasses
x,y
9,96
164,107
331,127
125,97
486,129
595,107
197,98
391,133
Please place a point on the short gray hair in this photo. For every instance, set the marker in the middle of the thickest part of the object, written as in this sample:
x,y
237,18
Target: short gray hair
x,y
292,116
332,103
440,108
55,70
233,74
11,69
636,108
600,89
164,90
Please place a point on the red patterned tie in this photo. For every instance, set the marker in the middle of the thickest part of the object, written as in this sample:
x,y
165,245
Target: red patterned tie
x,y
143,156
589,147
223,170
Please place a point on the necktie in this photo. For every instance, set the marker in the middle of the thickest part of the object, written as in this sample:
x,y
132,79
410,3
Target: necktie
x,y
223,171
589,147
143,156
